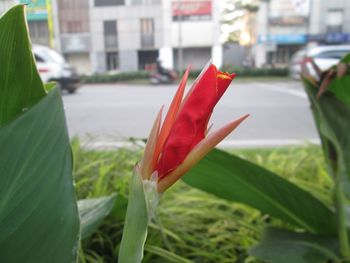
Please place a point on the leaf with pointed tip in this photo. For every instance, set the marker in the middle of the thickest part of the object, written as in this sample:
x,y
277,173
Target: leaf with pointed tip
x,y
232,178
21,86
39,220
136,223
92,212
332,121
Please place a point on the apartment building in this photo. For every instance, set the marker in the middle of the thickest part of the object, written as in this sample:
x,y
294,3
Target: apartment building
x,y
195,27
285,26
131,34
127,35
329,22
282,27
72,20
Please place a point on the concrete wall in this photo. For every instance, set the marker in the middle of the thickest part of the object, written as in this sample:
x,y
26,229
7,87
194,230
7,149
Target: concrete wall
x,y
318,16
199,37
80,61
234,54
194,34
197,57
128,29
128,60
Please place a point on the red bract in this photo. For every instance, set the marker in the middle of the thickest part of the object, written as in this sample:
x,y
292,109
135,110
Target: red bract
x,y
191,123
181,142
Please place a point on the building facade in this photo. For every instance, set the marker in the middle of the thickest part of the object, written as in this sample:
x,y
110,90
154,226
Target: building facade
x,y
127,35
330,22
195,28
285,26
282,30
72,20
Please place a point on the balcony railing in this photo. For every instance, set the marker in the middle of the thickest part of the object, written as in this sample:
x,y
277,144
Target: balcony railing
x,y
75,43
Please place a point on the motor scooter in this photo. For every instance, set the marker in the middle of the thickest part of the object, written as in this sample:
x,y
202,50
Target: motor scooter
x,y
167,77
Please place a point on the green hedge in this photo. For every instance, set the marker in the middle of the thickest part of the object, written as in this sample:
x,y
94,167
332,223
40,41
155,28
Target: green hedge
x,y
241,72
115,77
250,72
256,72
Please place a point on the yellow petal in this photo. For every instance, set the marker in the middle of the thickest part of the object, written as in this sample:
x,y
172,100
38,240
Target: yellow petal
x,y
198,153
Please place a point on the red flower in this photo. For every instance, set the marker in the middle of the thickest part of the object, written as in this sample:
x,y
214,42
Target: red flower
x,y
181,142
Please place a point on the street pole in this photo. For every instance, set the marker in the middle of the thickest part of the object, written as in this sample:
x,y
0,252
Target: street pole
x,y
180,51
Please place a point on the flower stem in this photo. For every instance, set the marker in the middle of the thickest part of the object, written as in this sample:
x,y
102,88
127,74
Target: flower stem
x,y
339,200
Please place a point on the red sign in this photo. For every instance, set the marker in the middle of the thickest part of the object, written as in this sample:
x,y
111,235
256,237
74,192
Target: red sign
x,y
194,9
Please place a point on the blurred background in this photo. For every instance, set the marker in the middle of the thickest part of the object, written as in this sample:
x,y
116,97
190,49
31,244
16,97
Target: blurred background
x,y
109,41
127,35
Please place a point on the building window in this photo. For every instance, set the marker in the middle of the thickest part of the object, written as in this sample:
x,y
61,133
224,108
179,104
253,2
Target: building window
x,y
74,26
39,32
112,60
335,18
147,33
73,16
108,2
147,59
110,34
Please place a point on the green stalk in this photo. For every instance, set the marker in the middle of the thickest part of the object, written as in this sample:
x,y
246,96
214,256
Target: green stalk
x,y
339,200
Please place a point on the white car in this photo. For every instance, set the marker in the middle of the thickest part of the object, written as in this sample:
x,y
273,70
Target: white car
x,y
324,57
53,67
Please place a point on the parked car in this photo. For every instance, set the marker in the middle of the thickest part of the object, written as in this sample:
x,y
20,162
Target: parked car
x,y
324,57
53,67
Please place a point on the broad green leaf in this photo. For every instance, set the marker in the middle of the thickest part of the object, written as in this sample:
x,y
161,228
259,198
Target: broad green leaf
x,y
340,86
341,89
346,59
21,86
332,121
282,246
136,222
39,220
235,179
92,212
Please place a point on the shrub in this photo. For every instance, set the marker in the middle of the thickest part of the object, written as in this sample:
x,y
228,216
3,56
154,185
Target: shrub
x,y
115,77
241,72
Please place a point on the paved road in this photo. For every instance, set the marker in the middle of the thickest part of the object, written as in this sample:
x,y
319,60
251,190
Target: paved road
x,y
279,111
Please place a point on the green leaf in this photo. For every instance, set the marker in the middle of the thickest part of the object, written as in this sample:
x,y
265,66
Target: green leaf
x,y
21,86
235,179
345,59
332,121
282,246
341,89
38,212
136,222
92,212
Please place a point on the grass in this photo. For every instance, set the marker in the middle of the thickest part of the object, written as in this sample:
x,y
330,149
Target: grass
x,y
191,225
